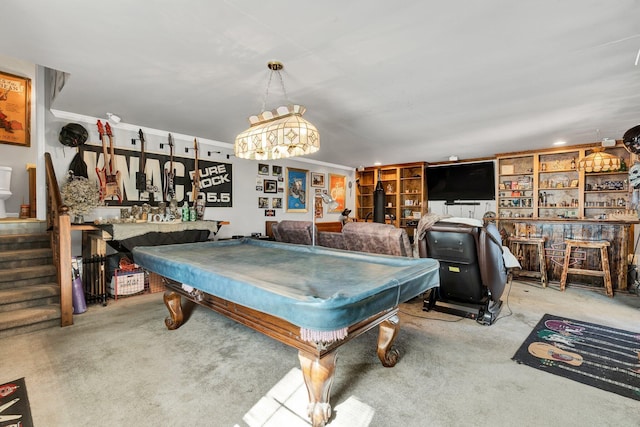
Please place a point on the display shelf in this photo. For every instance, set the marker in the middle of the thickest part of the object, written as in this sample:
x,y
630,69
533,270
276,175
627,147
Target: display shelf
x,y
405,193
558,185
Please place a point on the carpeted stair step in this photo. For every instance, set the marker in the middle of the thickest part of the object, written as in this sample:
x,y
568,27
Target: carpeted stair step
x,y
29,319
25,257
10,242
27,276
29,296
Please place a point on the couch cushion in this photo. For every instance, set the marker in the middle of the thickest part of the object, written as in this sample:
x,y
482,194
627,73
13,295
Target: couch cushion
x,y
376,238
298,232
331,239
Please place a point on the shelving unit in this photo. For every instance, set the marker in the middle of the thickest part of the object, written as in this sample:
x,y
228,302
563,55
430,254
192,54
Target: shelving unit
x,y
515,195
364,194
548,184
558,184
405,193
607,193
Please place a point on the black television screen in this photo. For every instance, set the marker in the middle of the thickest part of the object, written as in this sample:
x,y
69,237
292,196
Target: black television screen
x,y
466,181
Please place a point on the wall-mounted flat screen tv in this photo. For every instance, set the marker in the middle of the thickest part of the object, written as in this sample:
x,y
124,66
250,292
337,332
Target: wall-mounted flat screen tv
x,y
465,181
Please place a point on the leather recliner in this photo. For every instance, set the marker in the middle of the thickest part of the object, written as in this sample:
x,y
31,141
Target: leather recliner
x,y
473,274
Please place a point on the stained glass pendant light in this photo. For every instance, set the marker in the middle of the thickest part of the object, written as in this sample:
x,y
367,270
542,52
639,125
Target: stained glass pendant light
x,y
278,133
599,161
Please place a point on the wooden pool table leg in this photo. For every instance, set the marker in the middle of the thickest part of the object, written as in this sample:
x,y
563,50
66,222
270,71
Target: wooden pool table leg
x,y
318,376
387,335
172,301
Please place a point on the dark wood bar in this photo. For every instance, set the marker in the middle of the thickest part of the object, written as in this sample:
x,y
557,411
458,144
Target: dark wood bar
x,y
555,231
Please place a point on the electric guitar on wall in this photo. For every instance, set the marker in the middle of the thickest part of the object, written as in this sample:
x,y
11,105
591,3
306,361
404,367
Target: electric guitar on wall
x,y
109,181
198,203
169,175
141,178
196,175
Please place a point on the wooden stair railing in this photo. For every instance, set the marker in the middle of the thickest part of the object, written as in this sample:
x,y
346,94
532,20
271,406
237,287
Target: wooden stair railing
x,y
59,224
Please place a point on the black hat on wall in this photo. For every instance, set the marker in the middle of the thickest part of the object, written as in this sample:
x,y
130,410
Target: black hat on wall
x,y
73,135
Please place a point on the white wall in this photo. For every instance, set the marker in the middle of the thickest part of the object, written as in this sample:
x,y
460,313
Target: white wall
x,y
463,211
244,216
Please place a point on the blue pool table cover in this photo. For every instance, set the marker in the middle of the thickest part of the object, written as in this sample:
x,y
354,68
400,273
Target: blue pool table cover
x,y
313,287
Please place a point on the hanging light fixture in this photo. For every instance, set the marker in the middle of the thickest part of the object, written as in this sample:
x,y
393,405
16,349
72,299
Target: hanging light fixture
x,y
278,133
599,161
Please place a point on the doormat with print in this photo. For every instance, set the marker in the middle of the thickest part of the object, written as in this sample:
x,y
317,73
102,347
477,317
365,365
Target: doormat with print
x,y
14,405
599,356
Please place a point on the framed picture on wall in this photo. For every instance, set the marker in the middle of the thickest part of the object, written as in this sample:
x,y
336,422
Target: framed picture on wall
x,y
318,207
337,190
317,179
15,110
263,169
297,190
270,186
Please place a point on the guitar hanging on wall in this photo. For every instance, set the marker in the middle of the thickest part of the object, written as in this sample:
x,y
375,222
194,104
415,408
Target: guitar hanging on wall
x,y
146,190
141,178
198,204
169,176
109,181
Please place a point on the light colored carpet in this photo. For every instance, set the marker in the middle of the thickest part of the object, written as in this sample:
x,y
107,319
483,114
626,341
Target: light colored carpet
x,y
119,365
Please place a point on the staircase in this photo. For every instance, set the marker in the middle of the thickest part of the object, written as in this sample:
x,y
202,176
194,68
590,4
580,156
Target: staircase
x,y
29,292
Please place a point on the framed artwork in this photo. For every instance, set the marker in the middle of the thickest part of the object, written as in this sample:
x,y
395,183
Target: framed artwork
x,y
269,212
263,169
317,179
263,202
318,208
15,110
276,170
297,190
270,186
337,190
276,203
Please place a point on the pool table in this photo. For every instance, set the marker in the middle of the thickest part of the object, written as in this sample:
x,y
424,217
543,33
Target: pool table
x,y
314,299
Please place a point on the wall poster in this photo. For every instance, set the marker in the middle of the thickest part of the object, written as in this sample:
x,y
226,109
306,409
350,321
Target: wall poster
x,y
216,178
297,190
15,110
337,190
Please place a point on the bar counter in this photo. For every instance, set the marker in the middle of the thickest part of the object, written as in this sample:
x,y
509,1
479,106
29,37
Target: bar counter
x,y
618,232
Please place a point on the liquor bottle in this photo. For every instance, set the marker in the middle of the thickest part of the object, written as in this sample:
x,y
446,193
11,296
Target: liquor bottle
x,y
573,163
185,212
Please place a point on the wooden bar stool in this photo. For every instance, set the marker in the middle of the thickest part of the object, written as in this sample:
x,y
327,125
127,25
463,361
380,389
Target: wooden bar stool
x,y
604,272
515,244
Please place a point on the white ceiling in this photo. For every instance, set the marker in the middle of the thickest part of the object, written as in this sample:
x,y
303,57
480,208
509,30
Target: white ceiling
x,y
388,81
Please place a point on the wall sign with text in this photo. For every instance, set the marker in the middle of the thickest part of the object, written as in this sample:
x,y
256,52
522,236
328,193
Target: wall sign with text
x,y
216,185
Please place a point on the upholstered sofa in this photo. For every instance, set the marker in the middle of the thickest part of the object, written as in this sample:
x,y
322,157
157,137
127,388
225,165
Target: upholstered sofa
x,y
368,237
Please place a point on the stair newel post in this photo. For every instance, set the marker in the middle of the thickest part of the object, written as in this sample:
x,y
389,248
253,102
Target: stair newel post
x,y
64,267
